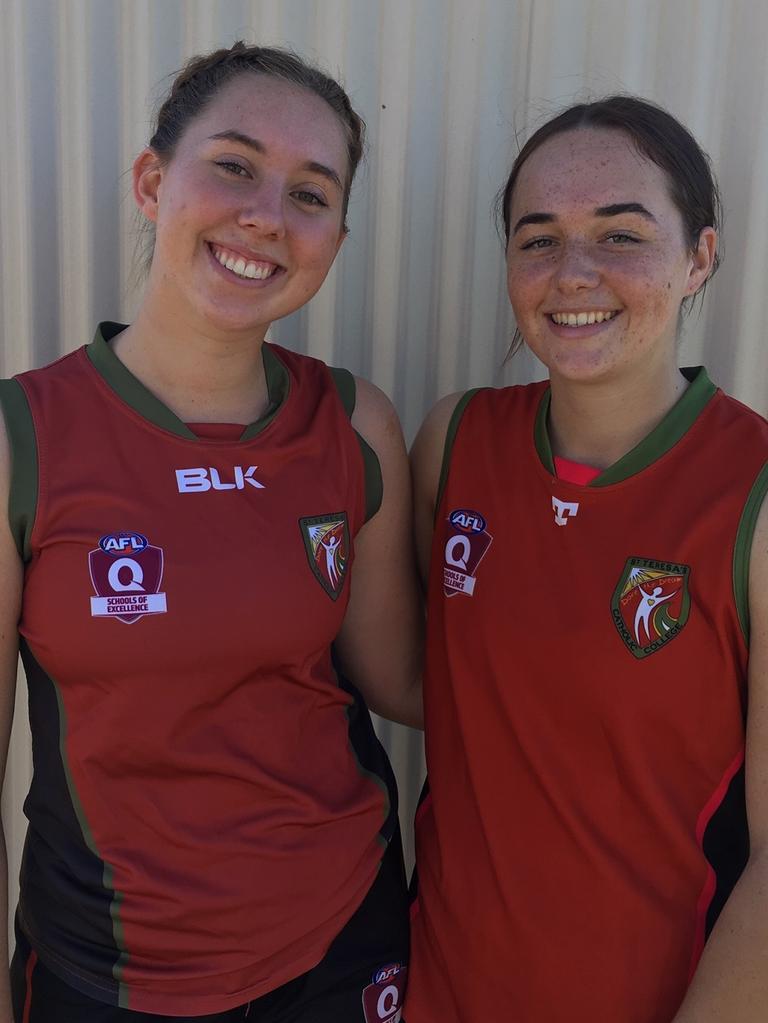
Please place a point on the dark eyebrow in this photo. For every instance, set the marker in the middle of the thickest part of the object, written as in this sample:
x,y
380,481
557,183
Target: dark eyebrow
x,y
311,165
534,218
618,208
614,210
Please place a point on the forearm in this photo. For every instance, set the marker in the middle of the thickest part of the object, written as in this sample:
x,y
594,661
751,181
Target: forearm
x,y
404,707
731,982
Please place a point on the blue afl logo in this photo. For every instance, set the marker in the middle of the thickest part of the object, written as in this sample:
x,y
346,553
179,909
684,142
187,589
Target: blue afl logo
x,y
467,521
386,973
123,543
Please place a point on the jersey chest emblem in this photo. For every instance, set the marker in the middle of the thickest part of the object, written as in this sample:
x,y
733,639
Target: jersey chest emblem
x,y
126,573
650,604
326,541
466,543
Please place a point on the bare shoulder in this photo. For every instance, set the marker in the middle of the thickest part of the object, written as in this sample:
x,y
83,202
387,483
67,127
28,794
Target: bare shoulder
x,y
758,568
375,417
757,719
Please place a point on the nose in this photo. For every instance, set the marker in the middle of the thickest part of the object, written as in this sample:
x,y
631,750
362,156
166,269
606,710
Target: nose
x,y
576,269
263,210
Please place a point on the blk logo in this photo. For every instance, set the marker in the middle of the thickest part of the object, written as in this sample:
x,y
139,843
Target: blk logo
x,y
198,480
564,510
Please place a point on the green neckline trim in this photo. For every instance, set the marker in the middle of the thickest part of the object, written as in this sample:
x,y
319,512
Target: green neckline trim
x,y
22,440
141,400
541,433
659,441
742,549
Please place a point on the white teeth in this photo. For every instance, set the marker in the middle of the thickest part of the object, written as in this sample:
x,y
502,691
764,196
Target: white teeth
x,y
580,319
239,266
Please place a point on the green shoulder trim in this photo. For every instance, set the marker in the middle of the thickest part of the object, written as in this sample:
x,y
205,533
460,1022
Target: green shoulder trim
x,y
345,385
743,548
23,489
374,484
450,437
673,427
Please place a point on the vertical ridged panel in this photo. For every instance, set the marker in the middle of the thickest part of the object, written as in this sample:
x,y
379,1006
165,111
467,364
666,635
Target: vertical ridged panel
x,y
417,298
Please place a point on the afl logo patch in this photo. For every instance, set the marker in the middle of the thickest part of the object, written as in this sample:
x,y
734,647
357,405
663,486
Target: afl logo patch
x,y
383,999
466,543
467,521
126,573
119,543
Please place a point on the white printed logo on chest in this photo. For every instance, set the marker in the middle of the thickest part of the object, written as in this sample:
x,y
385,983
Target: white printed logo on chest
x,y
564,510
198,480
467,543
126,573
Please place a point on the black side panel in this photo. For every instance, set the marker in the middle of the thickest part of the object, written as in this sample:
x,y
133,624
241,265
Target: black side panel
x,y
370,754
413,888
64,906
726,845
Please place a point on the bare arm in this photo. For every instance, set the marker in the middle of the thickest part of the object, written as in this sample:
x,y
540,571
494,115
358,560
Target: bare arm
x,y
380,643
731,983
10,587
426,462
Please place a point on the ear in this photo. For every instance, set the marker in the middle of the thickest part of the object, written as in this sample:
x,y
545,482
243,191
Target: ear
x,y
343,235
702,260
147,176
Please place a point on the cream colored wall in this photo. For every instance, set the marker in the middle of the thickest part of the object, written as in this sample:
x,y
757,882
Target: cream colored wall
x,y
416,301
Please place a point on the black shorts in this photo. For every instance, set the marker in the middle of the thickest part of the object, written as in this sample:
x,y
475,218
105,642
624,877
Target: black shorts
x,y
361,979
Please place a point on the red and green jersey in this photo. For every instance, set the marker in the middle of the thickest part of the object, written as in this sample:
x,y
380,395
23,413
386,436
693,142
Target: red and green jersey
x,y
585,703
207,809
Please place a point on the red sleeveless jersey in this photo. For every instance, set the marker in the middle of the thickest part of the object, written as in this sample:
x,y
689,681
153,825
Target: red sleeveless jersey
x,y
201,826
585,708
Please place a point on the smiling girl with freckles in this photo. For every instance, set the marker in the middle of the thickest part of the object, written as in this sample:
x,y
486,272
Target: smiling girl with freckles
x,y
207,530
593,845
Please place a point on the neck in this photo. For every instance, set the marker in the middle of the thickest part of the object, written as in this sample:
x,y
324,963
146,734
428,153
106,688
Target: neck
x,y
597,423
202,377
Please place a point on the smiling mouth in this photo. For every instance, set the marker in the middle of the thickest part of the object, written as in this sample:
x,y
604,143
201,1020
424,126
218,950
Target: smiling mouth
x,y
582,319
246,269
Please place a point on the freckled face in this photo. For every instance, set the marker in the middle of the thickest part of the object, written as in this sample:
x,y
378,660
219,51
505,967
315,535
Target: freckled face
x,y
249,210
597,262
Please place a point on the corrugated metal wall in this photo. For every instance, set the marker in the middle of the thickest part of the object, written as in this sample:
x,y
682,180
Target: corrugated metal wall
x,y
416,301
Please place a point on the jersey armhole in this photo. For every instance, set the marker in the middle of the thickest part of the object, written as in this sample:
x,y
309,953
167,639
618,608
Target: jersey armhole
x,y
374,486
742,549
450,437
23,484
